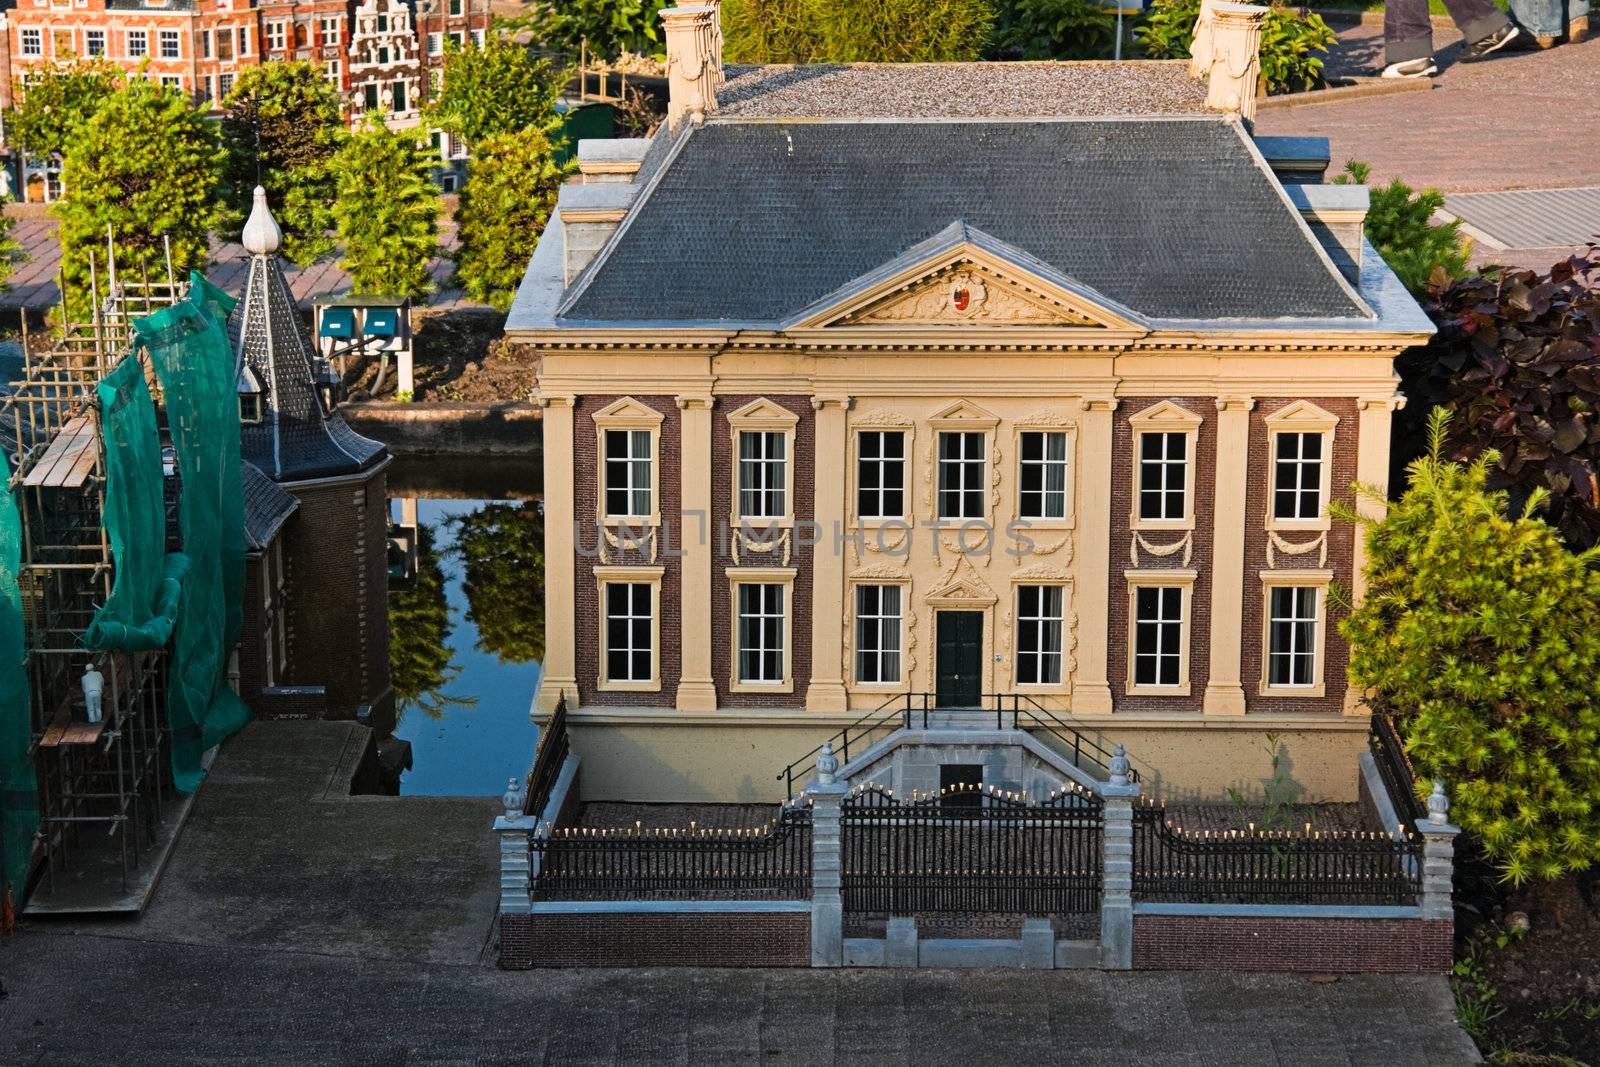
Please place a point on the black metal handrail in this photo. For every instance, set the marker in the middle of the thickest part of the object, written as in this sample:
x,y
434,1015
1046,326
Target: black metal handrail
x,y
548,760
904,710
1395,771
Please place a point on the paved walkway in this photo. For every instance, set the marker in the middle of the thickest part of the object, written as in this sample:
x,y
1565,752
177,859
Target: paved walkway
x,y
298,925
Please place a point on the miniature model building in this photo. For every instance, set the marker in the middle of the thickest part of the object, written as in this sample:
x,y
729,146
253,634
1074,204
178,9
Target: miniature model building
x,y
956,387
324,548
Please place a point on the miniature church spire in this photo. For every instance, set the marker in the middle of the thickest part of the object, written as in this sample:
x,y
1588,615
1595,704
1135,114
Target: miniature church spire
x,y
261,236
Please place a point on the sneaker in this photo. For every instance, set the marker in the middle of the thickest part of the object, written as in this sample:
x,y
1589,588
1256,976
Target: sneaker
x,y
1482,49
1412,68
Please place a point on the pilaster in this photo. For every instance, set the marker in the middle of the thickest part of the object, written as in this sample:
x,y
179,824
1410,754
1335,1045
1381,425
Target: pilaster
x,y
826,689
1374,428
560,663
1091,689
1225,688
696,690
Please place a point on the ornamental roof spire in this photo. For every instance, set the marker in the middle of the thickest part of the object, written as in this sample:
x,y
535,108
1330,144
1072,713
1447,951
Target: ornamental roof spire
x,y
261,236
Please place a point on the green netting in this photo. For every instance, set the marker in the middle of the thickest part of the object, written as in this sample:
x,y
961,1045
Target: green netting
x,y
188,345
143,604
19,793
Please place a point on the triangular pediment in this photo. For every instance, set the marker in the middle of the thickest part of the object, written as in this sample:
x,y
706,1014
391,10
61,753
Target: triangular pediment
x,y
965,411
964,278
630,411
764,412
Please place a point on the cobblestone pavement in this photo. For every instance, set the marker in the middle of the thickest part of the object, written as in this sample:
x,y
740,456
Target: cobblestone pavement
x,y
97,1000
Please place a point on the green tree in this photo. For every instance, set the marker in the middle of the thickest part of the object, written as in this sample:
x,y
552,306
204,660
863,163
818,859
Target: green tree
x,y
145,165
496,89
501,547
420,661
856,31
11,251
281,127
1481,632
387,211
1400,226
56,101
502,211
608,27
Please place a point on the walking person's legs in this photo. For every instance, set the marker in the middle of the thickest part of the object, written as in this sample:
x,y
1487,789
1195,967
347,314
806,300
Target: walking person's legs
x,y
1407,33
1484,27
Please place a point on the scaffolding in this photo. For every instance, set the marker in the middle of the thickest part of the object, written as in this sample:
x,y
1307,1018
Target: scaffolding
x,y
112,776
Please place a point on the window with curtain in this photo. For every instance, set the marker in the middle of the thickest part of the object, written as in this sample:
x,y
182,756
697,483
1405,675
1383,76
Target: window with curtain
x,y
760,632
1043,477
1039,634
878,634
763,474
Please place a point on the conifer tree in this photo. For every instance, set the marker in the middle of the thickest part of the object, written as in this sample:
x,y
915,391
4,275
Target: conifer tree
x,y
503,210
281,127
1481,633
146,166
495,88
387,211
56,100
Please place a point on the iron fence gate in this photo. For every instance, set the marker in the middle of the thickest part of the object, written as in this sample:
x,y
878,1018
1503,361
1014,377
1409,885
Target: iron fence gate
x,y
972,850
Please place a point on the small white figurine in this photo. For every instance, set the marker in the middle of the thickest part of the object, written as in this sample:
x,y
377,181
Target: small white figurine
x,y
94,685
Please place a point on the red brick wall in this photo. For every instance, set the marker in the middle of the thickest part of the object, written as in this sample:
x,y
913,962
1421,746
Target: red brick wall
x,y
335,555
722,482
1122,481
586,610
1341,546
1237,943
643,939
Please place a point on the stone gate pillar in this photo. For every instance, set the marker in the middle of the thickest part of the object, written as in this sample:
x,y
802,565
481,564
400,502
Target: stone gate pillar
x,y
827,905
1116,894
1438,857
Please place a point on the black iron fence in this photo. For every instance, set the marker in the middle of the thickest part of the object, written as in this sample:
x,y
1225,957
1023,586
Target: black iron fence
x,y
1394,769
972,850
1262,866
548,760
771,862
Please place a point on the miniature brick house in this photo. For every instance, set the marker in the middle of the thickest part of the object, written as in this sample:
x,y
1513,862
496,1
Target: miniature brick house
x,y
316,639
864,383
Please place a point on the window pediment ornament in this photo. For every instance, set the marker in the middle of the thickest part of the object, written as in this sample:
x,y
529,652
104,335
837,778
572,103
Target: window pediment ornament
x,y
763,414
875,418
628,412
881,572
966,292
963,415
1164,416
961,586
1302,415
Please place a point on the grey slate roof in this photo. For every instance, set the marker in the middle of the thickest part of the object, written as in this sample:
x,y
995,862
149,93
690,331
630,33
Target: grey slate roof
x,y
752,221
297,439
267,506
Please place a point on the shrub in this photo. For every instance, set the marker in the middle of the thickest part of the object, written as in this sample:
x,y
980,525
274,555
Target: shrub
x,y
504,208
1293,41
1481,631
1056,29
856,31
1516,362
387,210
146,165
495,89
281,126
1399,225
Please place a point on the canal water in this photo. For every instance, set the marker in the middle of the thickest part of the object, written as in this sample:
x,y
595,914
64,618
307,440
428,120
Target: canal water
x,y
466,624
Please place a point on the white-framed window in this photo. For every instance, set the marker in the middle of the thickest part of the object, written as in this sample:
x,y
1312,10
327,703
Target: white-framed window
x,y
1042,483
455,7
760,632
763,474
277,34
94,42
328,32
881,474
436,44
1040,612
1297,466
629,644
1163,476
224,85
330,71
369,94
878,644
383,55
170,45
629,473
172,81
138,44
32,42
1292,616
225,44
1158,625
477,38
459,38
205,44
244,40
399,95
963,460
1300,440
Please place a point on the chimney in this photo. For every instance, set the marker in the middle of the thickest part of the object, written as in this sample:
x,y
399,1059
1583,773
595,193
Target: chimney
x,y
694,61
1227,53
1337,216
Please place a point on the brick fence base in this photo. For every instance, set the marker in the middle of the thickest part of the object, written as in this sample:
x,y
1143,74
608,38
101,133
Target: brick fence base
x,y
1239,943
630,939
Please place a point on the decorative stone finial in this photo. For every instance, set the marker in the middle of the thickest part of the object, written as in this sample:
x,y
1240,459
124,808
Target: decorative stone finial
x,y
261,235
827,764
513,798
1119,766
1438,804
693,40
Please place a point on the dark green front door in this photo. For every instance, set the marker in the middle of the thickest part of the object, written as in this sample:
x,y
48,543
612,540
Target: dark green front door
x,y
960,659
